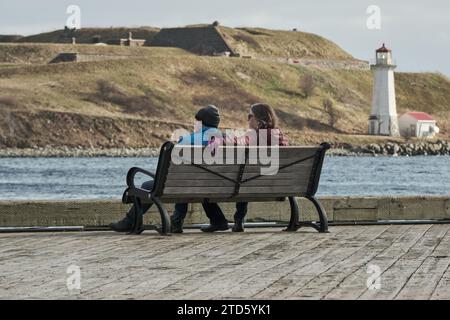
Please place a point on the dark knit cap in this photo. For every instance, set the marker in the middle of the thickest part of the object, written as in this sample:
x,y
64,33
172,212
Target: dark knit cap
x,y
209,116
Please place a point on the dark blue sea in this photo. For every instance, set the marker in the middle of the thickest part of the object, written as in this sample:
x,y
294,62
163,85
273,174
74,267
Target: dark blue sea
x,y
104,178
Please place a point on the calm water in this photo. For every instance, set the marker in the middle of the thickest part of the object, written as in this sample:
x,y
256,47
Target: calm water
x,y
104,178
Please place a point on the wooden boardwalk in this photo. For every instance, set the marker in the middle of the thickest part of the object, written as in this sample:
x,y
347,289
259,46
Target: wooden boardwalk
x,y
412,260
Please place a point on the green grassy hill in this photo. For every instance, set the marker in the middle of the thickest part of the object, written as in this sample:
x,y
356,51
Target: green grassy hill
x,y
86,35
9,38
30,53
281,43
248,41
139,102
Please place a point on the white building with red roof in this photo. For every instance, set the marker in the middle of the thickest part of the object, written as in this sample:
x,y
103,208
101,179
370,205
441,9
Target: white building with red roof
x,y
417,124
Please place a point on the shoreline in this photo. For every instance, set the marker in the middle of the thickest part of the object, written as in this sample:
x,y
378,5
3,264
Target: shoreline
x,y
66,152
438,148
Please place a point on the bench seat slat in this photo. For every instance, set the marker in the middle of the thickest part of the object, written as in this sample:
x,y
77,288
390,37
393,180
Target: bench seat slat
x,y
208,176
200,199
283,152
235,168
261,181
251,163
199,183
273,189
184,191
229,190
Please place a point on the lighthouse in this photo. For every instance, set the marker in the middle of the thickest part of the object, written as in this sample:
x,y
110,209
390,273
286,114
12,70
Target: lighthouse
x,y
383,118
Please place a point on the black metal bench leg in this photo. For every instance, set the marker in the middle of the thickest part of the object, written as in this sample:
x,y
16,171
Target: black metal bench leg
x,y
294,224
323,227
165,220
138,219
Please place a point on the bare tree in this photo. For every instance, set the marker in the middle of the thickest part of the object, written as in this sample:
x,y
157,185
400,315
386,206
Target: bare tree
x,y
307,85
330,110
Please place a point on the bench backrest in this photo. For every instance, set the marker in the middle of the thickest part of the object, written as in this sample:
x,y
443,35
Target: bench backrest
x,y
183,174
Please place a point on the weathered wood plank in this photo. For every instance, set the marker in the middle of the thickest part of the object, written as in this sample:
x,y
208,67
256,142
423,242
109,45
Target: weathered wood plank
x,y
332,274
354,285
226,183
209,176
188,152
262,263
303,161
297,168
442,289
269,258
228,190
276,190
423,283
277,276
199,198
398,273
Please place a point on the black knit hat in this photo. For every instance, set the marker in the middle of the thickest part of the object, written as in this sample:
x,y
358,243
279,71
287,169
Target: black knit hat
x,y
209,116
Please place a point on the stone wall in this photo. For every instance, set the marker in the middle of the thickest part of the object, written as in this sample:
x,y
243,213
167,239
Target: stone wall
x,y
339,209
78,57
65,57
205,40
423,148
374,149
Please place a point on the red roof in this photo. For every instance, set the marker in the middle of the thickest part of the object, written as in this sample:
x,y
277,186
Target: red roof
x,y
420,116
383,49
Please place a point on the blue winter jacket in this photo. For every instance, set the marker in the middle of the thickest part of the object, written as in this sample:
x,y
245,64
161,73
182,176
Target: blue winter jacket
x,y
202,137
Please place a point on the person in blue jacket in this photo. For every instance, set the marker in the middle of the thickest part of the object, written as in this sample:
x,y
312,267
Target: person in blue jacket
x,y
210,119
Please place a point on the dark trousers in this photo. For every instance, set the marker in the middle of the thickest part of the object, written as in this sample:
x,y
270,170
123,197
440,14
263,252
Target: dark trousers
x,y
214,213
216,216
241,211
179,214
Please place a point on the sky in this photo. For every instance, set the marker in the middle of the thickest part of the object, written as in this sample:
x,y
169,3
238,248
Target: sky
x,y
418,32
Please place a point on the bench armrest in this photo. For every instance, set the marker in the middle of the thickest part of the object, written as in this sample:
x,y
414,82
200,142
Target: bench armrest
x,y
132,173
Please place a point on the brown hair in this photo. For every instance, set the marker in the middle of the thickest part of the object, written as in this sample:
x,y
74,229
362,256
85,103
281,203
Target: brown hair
x,y
265,116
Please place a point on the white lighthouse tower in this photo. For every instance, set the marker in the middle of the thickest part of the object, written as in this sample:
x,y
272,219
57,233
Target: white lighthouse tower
x,y
383,118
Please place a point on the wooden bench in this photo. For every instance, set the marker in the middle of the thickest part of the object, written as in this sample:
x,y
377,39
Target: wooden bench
x,y
237,180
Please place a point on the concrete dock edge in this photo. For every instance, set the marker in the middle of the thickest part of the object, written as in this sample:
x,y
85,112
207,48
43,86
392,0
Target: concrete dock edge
x,y
339,209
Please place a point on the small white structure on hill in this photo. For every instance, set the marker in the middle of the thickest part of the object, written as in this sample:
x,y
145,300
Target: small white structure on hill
x,y
383,119
417,124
